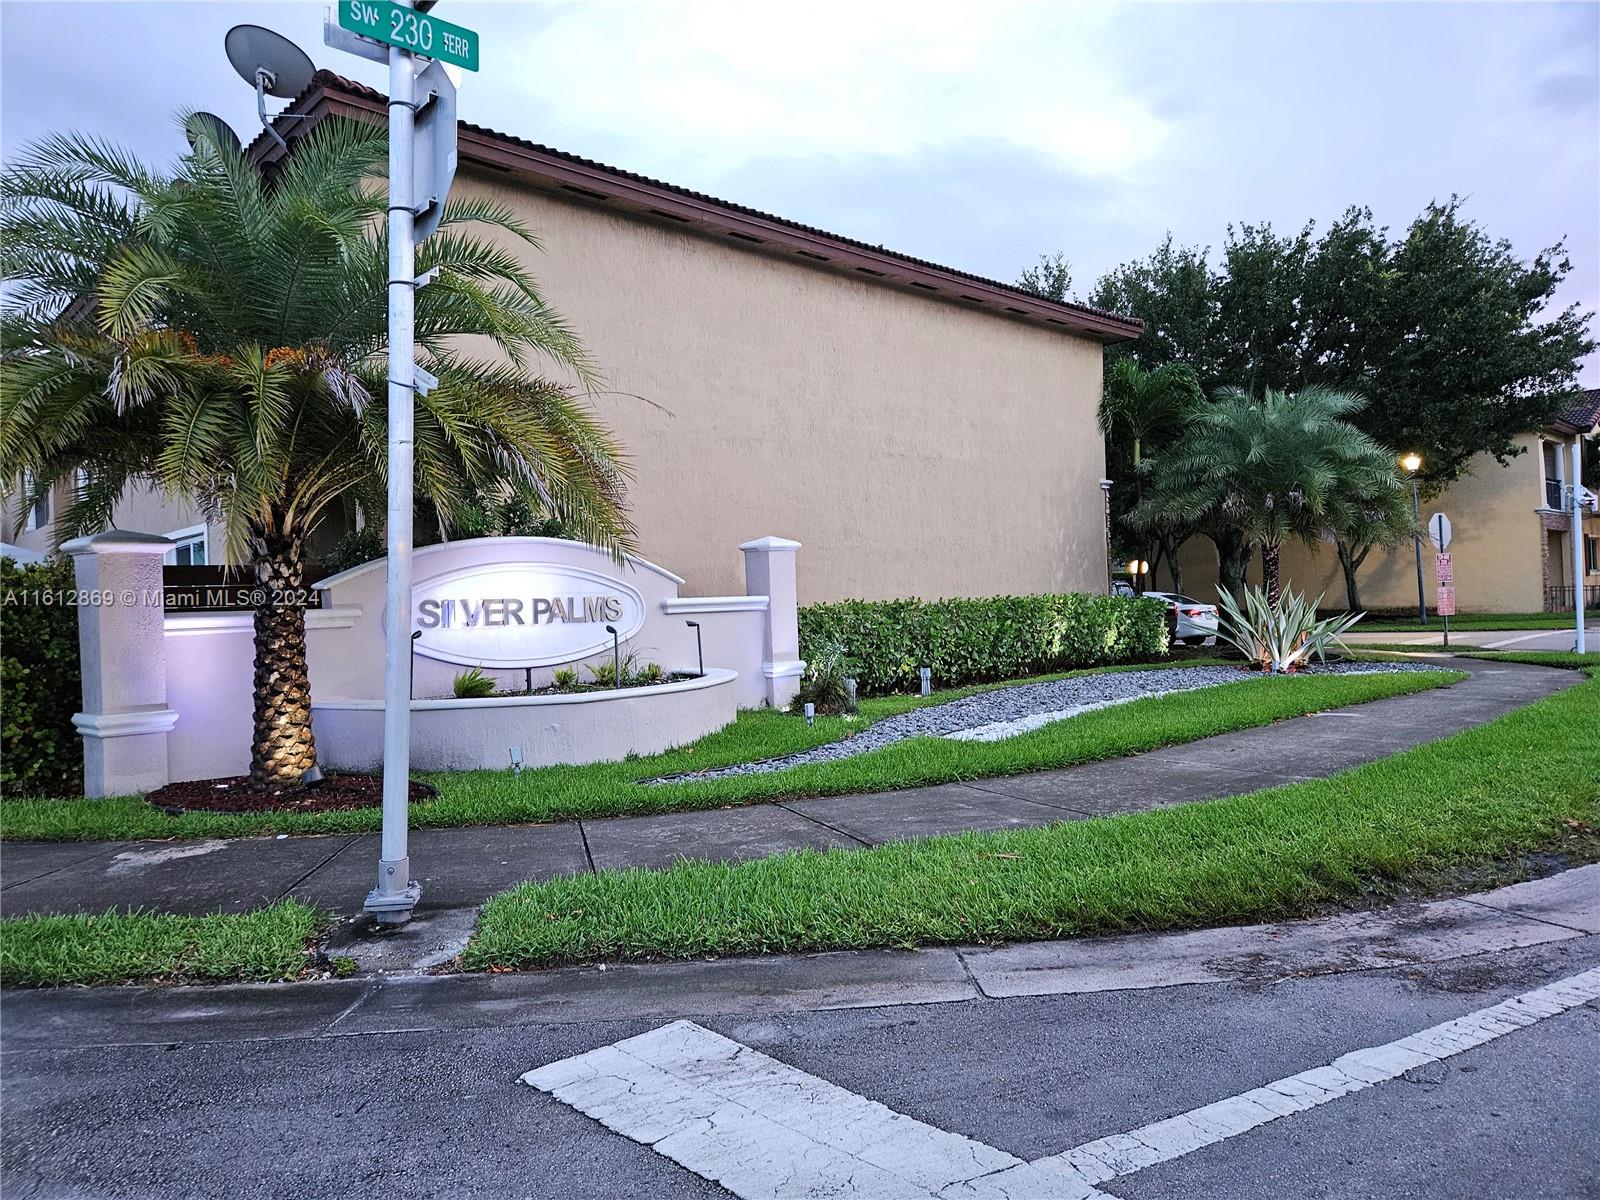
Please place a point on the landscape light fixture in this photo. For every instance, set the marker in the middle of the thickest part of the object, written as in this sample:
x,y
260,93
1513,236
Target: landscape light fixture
x,y
516,760
850,689
270,63
616,656
699,648
411,666
811,713
1412,463
926,674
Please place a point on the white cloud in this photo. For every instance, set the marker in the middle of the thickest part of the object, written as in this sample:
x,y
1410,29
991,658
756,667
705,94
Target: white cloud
x,y
721,83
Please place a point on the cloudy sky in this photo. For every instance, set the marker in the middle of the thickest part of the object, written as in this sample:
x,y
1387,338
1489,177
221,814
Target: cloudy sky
x,y
975,134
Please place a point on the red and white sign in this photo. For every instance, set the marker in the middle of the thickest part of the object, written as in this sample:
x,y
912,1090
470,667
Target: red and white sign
x,y
1444,570
1445,604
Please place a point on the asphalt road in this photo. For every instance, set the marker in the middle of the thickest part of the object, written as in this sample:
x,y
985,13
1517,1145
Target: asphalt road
x,y
442,1114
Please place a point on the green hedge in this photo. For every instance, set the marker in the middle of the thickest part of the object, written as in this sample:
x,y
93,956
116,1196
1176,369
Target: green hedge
x,y
972,641
40,754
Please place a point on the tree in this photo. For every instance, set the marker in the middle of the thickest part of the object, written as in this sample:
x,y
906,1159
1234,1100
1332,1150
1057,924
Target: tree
x,y
1259,472
1175,293
1050,277
221,336
1141,410
1448,332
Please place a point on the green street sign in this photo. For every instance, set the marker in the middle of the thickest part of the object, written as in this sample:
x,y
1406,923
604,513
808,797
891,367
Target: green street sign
x,y
420,33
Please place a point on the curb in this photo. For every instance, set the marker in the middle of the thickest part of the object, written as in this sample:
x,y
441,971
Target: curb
x,y
1558,908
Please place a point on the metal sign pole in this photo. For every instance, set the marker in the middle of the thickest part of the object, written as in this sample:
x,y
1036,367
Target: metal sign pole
x,y
396,895
1577,542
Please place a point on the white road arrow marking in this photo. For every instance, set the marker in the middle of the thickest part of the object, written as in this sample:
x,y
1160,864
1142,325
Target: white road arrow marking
x,y
766,1130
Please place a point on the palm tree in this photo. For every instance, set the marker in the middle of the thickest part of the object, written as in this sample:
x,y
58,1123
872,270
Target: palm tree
x,y
1139,409
220,334
1264,471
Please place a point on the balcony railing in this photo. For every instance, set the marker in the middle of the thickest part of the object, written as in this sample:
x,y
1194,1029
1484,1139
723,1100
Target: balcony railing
x,y
1554,495
1558,597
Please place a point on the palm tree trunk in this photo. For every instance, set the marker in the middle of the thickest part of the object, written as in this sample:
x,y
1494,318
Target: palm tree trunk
x,y
282,749
1269,571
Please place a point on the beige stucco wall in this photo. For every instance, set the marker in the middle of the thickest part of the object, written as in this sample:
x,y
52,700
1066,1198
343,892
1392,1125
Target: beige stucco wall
x,y
1493,513
913,446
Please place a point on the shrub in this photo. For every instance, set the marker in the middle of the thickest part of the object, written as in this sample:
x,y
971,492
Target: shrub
x,y
972,641
564,678
652,673
823,683
40,683
1280,638
473,685
604,674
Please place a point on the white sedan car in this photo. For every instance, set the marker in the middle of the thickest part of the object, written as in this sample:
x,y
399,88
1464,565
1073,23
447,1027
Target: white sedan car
x,y
1196,622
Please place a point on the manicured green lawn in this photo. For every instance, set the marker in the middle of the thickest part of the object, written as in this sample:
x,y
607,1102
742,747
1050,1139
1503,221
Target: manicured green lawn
x,y
612,789
268,944
1528,780
1467,622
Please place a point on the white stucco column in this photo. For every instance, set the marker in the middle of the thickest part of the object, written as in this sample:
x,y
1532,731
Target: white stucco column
x,y
125,717
769,570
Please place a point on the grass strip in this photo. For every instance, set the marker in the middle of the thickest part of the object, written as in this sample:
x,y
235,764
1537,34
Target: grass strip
x,y
268,944
1525,781
615,789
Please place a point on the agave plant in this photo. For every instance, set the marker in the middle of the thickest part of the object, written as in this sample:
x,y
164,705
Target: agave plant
x,y
1280,638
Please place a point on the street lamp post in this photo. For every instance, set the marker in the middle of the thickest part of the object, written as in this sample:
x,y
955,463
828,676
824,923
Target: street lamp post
x,y
1105,490
1139,569
1412,464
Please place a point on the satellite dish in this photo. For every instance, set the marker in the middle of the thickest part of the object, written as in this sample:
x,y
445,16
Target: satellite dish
x,y
202,123
269,60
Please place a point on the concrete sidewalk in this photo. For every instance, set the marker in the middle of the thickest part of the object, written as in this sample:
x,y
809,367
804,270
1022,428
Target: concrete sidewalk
x,y
460,868
1482,639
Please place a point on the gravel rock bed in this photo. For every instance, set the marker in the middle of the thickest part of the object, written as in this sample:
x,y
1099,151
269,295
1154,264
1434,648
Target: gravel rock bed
x,y
1006,712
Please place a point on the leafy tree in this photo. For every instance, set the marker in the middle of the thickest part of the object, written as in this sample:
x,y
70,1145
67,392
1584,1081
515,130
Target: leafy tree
x,y
1050,277
1139,411
1448,332
221,336
1252,472
1176,294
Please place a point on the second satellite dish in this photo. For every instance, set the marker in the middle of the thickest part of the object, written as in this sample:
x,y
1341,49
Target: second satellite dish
x,y
203,123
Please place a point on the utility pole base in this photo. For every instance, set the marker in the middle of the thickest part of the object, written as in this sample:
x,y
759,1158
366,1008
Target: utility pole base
x,y
394,907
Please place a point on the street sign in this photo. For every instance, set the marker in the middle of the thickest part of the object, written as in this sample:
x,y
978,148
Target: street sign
x,y
1445,603
433,159
1444,570
420,33
1439,531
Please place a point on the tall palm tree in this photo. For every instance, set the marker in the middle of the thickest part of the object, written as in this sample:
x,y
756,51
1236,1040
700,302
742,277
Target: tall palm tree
x,y
220,334
1265,471
1139,410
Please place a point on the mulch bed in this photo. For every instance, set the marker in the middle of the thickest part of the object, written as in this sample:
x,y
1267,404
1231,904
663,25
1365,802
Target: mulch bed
x,y
235,795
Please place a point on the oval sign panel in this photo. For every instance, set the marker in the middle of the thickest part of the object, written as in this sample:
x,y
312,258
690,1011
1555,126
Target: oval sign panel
x,y
521,614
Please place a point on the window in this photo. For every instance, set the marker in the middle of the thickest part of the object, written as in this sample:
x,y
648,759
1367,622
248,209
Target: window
x,y
191,548
39,514
1591,554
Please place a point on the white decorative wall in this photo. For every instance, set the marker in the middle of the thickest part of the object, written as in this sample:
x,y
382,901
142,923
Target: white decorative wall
x,y
181,686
